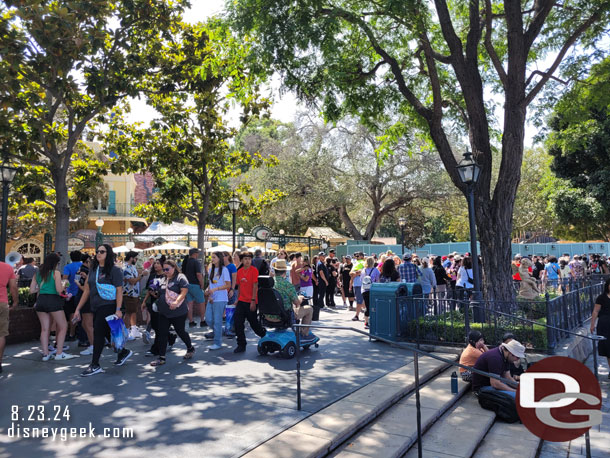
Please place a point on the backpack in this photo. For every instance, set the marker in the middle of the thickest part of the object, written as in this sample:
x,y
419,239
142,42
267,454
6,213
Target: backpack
x,y
501,403
264,268
366,281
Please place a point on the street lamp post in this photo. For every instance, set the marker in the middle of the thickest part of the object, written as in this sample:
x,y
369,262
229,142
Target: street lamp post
x,y
234,203
402,223
240,231
99,238
8,174
469,171
282,239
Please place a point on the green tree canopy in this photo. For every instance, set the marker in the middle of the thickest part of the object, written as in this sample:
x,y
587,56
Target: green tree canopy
x,y
432,64
63,63
579,142
202,74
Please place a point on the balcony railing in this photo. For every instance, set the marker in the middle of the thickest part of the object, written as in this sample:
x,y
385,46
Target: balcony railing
x,y
116,209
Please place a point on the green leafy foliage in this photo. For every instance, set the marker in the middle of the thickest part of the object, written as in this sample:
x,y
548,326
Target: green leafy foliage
x,y
203,75
64,63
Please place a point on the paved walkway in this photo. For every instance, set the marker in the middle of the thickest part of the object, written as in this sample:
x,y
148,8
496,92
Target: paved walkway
x,y
599,435
217,405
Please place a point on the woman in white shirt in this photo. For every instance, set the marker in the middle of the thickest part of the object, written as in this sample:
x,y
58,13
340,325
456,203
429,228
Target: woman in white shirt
x,y
217,295
464,284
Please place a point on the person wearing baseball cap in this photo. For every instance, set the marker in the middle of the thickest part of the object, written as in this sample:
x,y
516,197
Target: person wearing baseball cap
x,y
497,361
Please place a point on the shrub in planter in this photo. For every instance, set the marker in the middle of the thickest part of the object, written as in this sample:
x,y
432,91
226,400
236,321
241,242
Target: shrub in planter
x,y
450,328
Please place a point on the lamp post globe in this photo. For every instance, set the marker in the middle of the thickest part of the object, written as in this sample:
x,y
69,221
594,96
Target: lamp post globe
x,y
402,223
234,204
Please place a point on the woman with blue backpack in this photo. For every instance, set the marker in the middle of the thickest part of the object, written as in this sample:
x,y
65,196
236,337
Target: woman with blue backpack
x,y
104,289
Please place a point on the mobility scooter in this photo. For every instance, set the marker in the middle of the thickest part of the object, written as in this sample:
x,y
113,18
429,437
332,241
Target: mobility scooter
x,y
282,338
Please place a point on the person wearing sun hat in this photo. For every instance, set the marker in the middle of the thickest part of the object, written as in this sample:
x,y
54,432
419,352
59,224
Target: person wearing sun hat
x,y
497,361
291,301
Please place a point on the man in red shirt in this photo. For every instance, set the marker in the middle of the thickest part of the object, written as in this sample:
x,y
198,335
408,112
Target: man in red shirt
x,y
247,279
7,278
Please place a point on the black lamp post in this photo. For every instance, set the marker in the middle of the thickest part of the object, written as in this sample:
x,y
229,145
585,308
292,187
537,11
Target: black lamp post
x,y
234,203
402,223
8,174
469,172
282,239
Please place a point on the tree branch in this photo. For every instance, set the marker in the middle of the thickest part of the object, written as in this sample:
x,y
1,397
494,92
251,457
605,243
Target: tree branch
x,y
490,47
562,52
542,9
419,107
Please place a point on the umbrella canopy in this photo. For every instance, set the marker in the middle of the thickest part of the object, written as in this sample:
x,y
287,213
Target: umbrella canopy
x,y
168,248
219,248
124,249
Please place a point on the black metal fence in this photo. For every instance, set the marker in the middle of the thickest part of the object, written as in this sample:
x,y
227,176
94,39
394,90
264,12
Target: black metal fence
x,y
537,323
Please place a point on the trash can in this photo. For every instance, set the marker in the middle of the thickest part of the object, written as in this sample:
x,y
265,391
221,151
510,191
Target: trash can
x,y
392,307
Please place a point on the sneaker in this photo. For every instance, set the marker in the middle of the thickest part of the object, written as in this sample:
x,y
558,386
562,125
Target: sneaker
x,y
48,357
88,351
123,356
203,324
351,308
192,324
366,326
146,338
91,370
64,356
150,353
355,319
209,335
240,349
215,347
135,332
51,347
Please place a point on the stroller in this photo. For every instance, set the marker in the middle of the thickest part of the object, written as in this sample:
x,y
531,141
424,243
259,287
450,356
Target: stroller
x,y
282,339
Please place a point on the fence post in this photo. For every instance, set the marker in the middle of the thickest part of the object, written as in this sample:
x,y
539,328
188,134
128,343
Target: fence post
x,y
467,320
550,336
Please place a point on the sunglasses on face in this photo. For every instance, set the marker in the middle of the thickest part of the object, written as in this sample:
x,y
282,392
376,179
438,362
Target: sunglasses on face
x,y
167,269
101,251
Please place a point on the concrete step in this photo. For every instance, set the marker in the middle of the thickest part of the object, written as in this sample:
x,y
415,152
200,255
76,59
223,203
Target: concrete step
x,y
322,432
506,440
458,432
395,431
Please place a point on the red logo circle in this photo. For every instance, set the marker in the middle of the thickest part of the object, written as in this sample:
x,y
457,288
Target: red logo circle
x,y
562,417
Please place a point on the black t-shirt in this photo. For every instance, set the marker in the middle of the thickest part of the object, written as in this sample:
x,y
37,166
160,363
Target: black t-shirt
x,y
193,267
175,285
115,278
321,267
441,275
345,270
491,361
604,301
331,269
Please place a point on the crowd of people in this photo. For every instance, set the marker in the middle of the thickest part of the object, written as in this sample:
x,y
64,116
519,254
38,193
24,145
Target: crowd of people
x,y
76,303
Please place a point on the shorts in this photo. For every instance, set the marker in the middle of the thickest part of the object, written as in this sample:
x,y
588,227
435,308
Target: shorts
x,y
195,294
49,303
347,291
358,294
3,320
131,304
86,308
307,291
70,306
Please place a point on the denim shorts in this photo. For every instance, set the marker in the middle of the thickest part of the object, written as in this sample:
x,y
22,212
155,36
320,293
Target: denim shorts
x,y
195,294
358,293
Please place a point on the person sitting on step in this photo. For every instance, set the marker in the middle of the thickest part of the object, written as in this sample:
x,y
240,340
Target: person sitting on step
x,y
475,348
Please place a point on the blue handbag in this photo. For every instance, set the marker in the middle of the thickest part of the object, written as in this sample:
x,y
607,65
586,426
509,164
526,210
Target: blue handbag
x,y
106,292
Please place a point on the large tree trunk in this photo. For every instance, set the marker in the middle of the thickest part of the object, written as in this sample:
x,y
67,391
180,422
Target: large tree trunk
x,y
62,214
